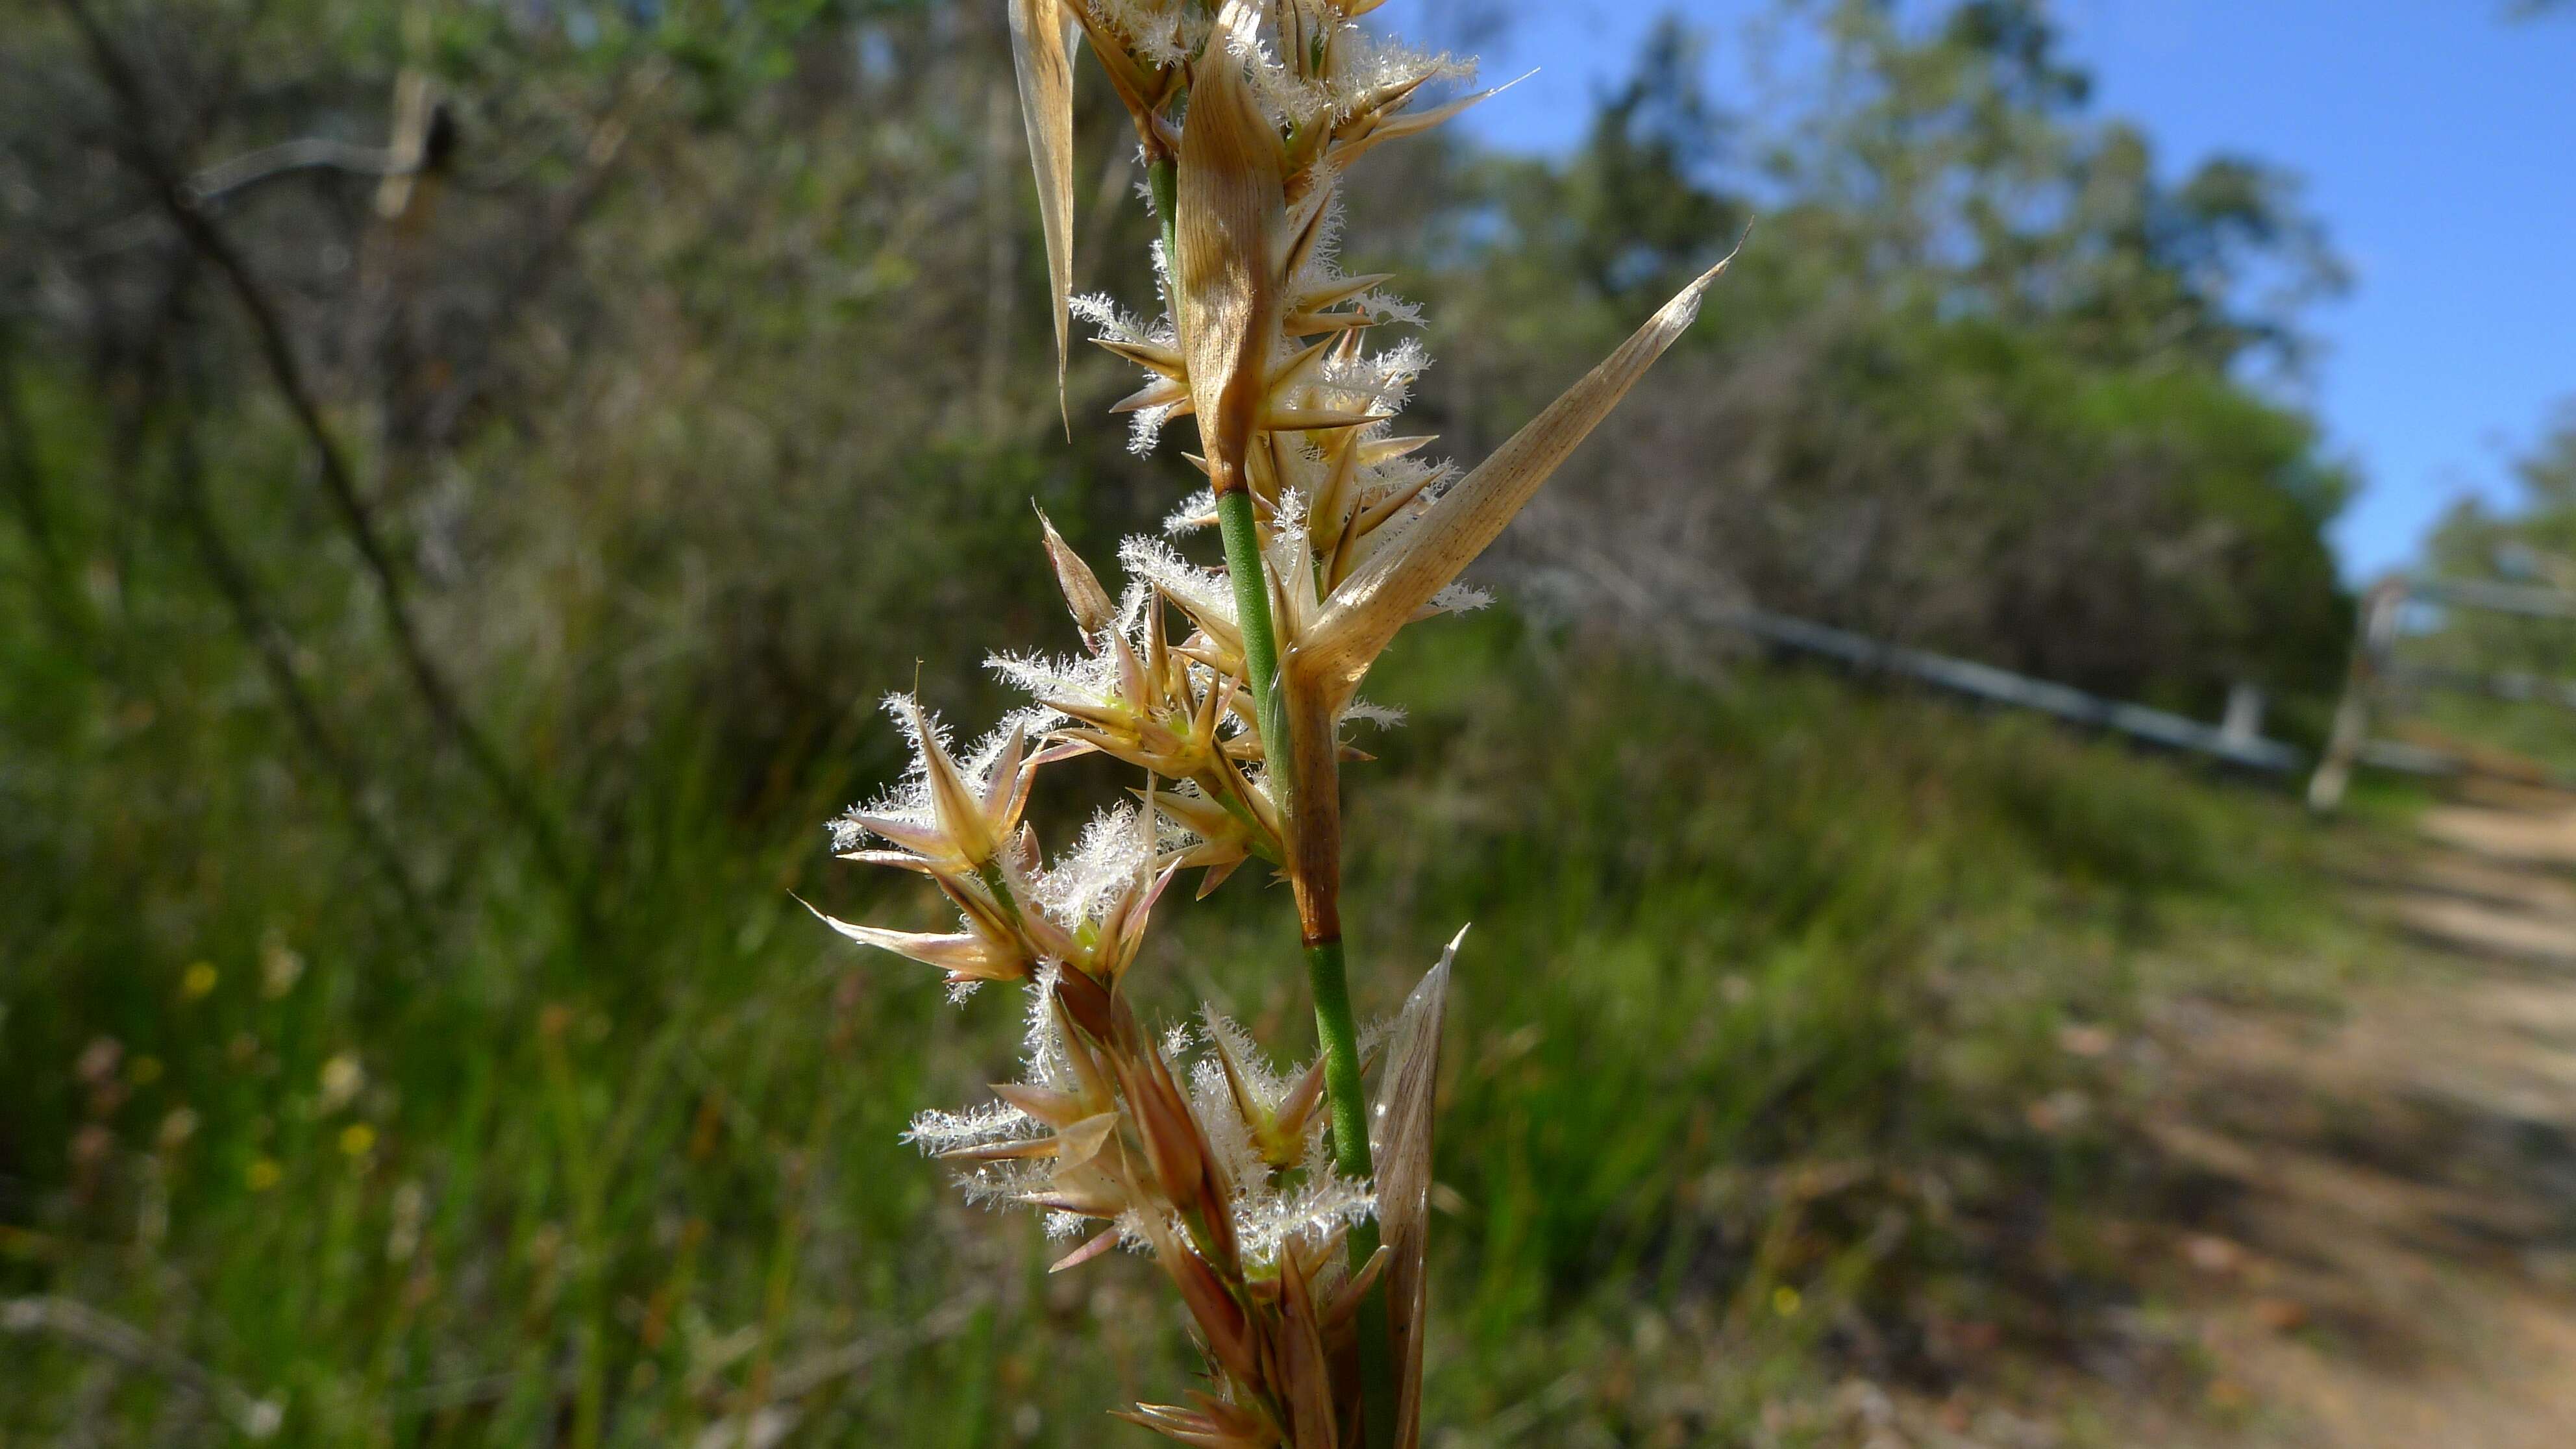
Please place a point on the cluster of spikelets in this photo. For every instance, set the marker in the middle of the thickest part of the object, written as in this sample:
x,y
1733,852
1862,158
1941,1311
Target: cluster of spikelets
x,y
1188,1146
1289,1214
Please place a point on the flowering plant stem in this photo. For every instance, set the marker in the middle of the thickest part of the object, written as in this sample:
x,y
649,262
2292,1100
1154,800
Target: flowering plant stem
x,y
1336,1028
1302,1262
1260,641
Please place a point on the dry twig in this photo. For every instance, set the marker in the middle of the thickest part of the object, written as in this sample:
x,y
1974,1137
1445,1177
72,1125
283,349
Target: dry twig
x,y
78,1323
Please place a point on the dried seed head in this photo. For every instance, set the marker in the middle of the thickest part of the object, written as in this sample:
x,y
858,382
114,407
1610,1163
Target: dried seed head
x,y
1230,1184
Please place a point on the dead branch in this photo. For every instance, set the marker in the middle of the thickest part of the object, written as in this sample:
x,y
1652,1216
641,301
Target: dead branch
x,y
339,480
226,179
78,1323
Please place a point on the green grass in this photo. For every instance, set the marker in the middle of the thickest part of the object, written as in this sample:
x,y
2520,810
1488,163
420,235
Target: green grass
x,y
1764,981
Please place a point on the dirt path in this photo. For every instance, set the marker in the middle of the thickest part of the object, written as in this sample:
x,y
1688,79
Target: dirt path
x,y
2380,1209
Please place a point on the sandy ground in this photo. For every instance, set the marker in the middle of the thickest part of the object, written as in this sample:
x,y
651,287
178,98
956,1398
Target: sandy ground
x,y
2386,1201
2364,1235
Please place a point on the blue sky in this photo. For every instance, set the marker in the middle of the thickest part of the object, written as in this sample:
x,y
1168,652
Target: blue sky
x,y
2437,142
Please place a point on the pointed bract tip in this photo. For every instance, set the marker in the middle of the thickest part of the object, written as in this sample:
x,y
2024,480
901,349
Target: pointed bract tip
x,y
1093,611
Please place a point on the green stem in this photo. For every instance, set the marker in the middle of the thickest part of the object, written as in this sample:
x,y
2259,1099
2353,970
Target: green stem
x,y
1260,641
1335,1024
1000,885
1326,972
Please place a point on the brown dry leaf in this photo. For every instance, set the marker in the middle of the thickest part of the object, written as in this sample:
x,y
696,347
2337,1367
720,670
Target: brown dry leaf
x,y
1227,214
1042,57
1377,599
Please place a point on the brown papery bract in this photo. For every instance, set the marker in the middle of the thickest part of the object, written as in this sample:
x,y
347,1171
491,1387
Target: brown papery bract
x,y
1402,1133
1042,59
1228,216
1363,615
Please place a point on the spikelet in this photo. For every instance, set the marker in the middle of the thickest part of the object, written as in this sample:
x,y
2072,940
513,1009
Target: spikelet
x,y
1229,214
